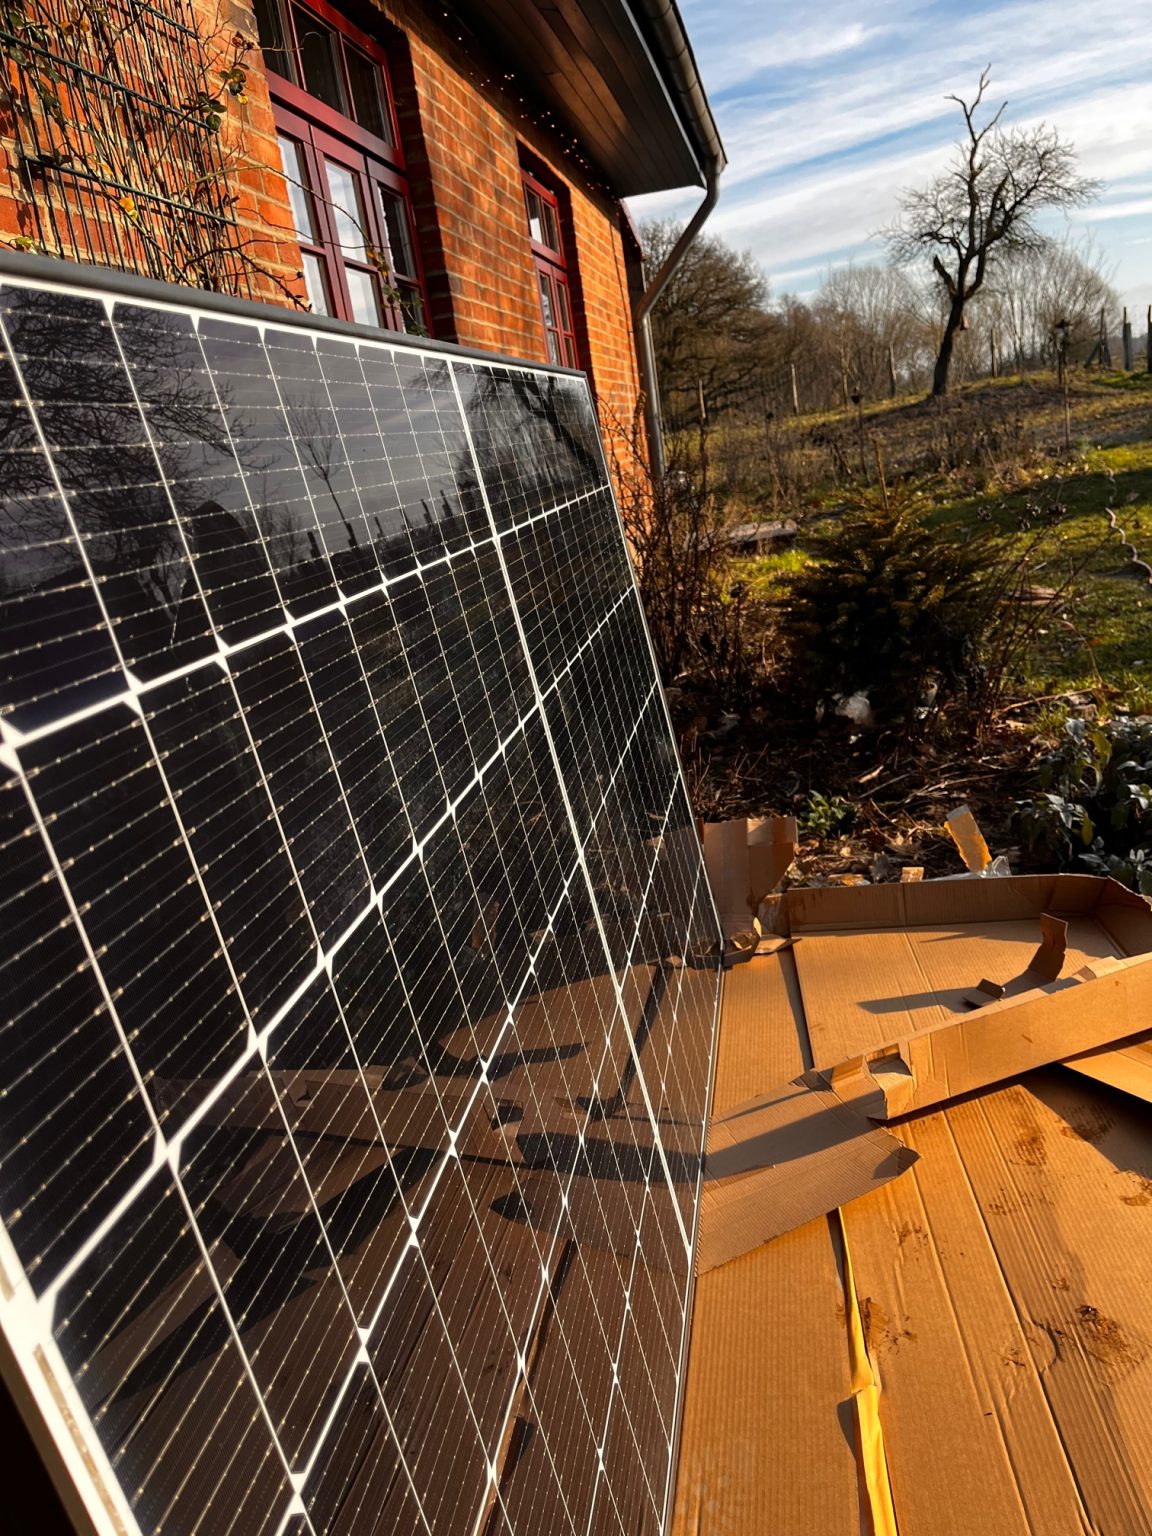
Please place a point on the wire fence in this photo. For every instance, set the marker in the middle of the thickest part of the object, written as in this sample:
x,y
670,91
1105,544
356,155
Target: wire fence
x,y
117,115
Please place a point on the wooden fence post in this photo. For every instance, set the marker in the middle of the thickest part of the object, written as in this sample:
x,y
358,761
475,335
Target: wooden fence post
x,y
796,392
1126,337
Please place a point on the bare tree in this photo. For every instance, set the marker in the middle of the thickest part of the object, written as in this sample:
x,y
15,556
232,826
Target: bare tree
x,y
1031,291
708,325
874,312
983,207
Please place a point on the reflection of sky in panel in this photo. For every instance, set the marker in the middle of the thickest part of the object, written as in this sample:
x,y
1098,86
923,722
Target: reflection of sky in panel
x,y
259,427
329,475
339,776
56,647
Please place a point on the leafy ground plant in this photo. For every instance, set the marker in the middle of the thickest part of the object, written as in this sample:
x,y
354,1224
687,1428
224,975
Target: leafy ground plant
x,y
1093,807
825,815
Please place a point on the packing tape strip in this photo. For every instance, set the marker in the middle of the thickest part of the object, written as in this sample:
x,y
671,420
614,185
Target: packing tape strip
x,y
873,1461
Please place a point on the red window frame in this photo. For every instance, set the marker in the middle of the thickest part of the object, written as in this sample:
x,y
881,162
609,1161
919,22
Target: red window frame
x,y
552,276
349,267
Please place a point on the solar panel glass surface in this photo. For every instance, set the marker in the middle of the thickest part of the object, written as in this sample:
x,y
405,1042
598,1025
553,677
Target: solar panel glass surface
x,y
360,970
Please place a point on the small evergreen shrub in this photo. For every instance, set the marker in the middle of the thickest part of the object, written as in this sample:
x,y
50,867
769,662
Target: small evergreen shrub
x,y
889,607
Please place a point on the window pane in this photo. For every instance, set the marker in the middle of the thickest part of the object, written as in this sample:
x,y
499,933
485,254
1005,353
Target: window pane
x,y
562,304
399,238
551,236
347,210
316,283
412,311
570,359
546,301
319,60
362,292
273,44
367,93
296,177
535,216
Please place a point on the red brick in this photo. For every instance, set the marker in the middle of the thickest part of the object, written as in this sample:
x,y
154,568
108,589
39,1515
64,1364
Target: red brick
x,y
462,133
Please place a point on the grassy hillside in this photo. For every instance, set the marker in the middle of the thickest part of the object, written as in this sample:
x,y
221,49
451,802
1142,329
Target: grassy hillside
x,y
1013,457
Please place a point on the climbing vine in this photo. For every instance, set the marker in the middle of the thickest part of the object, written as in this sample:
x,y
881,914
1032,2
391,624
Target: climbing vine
x,y
121,137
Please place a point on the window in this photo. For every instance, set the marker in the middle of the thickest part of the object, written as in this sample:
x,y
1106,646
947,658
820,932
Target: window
x,y
546,234
343,165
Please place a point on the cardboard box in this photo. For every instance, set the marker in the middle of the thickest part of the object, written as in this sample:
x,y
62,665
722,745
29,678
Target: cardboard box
x,y
968,1346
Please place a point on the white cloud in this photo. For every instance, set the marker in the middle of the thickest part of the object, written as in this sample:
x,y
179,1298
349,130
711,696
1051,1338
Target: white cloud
x,y
1131,210
824,125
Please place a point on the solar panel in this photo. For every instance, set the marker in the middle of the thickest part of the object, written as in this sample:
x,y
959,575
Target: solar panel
x,y
361,970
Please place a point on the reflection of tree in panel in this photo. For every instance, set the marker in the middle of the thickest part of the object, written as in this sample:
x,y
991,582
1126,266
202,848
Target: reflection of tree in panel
x,y
534,436
72,368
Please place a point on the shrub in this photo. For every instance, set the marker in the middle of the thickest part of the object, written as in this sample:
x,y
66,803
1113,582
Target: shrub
x,y
889,607
701,620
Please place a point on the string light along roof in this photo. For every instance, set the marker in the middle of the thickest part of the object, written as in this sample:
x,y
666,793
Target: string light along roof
x,y
359,963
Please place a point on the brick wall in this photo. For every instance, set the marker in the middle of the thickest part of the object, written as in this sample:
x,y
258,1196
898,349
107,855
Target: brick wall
x,y
248,136
462,128
102,150
462,133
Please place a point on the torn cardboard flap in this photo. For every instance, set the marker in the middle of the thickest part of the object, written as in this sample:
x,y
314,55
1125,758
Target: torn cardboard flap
x,y
782,1160
969,840
1105,1004
745,860
726,863
772,844
1044,966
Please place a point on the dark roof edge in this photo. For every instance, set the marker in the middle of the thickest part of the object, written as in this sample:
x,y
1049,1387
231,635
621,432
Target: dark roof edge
x,y
662,26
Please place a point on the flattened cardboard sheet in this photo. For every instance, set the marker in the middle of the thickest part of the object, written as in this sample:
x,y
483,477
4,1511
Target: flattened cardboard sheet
x,y
763,1444
1004,1288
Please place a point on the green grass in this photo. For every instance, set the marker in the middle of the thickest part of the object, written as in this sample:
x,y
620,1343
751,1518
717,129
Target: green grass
x,y
1101,630
1003,442
1099,635
1139,380
762,573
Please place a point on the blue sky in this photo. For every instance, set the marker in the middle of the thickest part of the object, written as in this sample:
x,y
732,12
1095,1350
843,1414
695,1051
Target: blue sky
x,y
827,110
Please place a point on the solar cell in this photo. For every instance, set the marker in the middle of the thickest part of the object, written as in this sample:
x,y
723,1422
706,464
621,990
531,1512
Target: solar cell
x,y
360,971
